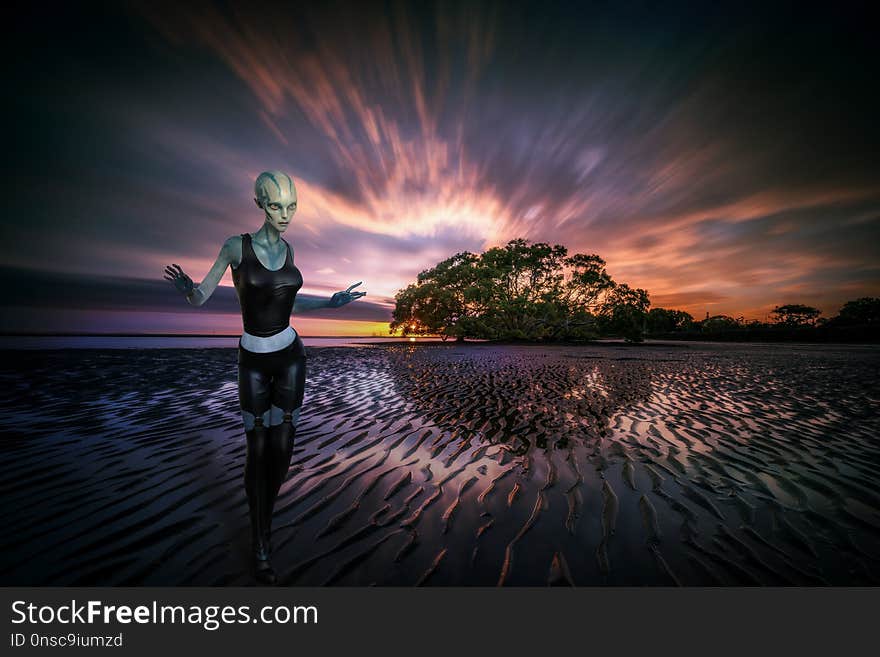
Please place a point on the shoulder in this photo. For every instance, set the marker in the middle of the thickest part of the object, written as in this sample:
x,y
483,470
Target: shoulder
x,y
232,249
233,244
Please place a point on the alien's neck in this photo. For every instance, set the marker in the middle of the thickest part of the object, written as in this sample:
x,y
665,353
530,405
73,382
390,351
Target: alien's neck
x,y
269,234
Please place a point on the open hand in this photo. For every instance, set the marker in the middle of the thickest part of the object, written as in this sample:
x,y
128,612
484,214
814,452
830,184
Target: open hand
x,y
181,281
345,296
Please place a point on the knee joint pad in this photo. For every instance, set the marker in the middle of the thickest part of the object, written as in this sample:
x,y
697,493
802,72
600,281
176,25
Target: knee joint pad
x,y
252,420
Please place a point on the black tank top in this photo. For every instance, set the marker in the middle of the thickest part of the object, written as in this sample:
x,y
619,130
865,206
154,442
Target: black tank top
x,y
266,296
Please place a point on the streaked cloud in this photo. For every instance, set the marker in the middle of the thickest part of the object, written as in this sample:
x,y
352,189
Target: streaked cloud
x,y
696,153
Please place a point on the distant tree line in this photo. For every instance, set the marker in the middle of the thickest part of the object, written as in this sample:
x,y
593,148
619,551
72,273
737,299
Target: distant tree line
x,y
537,292
857,321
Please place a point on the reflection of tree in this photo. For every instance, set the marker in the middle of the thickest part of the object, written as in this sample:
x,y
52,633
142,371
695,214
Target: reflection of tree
x,y
518,396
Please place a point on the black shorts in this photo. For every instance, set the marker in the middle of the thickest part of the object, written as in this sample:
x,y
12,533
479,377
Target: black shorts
x,y
276,378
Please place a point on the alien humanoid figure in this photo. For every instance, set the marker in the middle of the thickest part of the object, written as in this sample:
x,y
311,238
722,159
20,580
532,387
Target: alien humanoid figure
x,y
271,354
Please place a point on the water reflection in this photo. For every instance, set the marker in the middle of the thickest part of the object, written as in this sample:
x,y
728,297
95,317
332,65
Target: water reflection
x,y
518,397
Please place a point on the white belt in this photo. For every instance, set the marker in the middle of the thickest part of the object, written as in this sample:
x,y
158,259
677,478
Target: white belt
x,y
268,344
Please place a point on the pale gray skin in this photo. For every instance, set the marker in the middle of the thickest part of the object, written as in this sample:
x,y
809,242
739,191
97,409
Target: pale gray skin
x,y
278,202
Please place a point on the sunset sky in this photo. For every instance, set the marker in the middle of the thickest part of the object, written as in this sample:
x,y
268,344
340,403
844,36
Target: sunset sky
x,y
723,159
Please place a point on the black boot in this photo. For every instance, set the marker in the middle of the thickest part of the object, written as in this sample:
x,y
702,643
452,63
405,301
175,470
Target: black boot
x,y
256,473
279,450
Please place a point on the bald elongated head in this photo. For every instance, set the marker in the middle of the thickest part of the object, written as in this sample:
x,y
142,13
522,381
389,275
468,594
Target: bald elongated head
x,y
275,193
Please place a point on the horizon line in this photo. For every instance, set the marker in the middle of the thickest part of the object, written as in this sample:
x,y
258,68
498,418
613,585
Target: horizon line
x,y
27,334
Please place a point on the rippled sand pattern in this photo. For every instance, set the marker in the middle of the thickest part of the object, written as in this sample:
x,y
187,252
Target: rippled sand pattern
x,y
439,464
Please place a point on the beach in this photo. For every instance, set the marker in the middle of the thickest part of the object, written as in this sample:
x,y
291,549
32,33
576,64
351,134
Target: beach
x,y
694,464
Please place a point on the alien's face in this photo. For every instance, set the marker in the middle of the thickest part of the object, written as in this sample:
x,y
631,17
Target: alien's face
x,y
279,206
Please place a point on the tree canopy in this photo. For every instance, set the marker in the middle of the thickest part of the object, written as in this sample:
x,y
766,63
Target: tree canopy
x,y
863,311
529,291
795,314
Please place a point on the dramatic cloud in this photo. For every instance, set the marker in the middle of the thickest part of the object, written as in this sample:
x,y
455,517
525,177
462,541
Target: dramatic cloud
x,y
721,159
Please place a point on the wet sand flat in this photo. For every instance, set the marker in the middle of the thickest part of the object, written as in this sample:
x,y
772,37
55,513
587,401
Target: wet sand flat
x,y
439,464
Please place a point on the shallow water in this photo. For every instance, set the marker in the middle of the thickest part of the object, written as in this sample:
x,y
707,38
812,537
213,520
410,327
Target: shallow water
x,y
441,464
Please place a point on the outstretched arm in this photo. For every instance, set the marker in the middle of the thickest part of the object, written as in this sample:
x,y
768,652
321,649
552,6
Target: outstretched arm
x,y
338,300
301,305
199,294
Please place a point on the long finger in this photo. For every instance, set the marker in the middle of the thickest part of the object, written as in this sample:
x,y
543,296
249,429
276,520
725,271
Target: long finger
x,y
353,285
179,269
